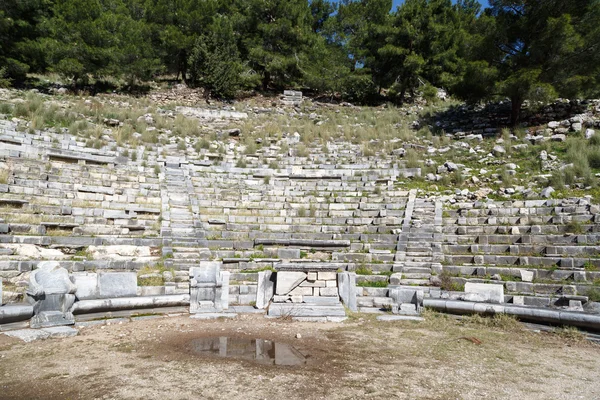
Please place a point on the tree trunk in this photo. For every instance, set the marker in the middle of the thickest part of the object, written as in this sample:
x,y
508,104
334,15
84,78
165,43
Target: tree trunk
x,y
266,80
402,95
515,112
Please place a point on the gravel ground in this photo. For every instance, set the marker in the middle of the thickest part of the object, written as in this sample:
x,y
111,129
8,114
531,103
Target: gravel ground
x,y
440,358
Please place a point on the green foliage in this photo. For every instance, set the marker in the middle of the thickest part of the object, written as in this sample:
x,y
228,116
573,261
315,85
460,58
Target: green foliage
x,y
532,51
363,270
98,39
430,94
593,294
377,284
215,62
447,283
276,36
360,51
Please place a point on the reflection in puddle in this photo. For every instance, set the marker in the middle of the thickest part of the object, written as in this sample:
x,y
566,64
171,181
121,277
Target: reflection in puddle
x,y
258,350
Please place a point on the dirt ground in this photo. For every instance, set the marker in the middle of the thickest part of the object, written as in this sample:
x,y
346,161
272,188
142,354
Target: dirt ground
x,y
440,358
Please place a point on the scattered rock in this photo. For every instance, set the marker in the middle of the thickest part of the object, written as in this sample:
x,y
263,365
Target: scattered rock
x,y
498,151
547,192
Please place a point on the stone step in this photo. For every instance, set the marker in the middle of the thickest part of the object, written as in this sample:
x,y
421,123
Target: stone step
x,y
419,259
415,275
416,270
295,310
418,253
420,235
184,241
418,248
414,282
413,264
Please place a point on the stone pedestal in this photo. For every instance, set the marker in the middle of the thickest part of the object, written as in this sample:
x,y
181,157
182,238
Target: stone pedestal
x,y
52,294
209,288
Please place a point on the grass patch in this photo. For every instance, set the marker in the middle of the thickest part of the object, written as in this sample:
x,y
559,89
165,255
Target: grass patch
x,y
362,270
256,270
377,284
570,333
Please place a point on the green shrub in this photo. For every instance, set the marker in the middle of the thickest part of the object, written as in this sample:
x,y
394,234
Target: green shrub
x,y
301,150
412,159
359,88
594,140
447,283
593,294
70,68
5,81
362,270
430,94
593,156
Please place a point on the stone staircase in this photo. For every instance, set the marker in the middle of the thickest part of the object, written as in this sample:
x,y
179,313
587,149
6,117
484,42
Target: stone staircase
x,y
184,241
419,246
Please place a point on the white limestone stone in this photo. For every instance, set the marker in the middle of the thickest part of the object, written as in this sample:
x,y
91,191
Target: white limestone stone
x,y
117,284
87,285
327,275
265,289
61,331
489,292
28,335
288,280
526,276
328,291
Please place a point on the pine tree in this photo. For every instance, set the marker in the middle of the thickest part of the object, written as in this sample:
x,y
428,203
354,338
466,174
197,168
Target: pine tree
x,y
531,50
215,63
276,35
423,45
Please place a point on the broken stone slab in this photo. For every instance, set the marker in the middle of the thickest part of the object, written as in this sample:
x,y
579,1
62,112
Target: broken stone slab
x,y
117,284
61,331
265,289
28,335
286,281
491,293
347,289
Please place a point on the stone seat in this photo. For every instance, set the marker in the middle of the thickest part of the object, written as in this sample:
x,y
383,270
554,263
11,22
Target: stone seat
x,y
547,261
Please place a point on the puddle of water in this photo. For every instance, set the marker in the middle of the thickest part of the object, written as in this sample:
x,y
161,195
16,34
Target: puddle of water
x,y
257,350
